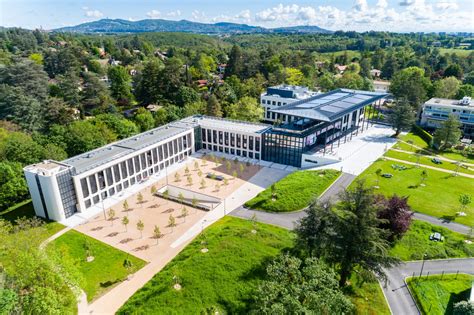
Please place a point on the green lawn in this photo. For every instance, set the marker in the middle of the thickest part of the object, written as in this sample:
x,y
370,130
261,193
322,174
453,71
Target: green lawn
x,y
367,297
427,161
294,192
458,51
25,209
105,271
437,294
416,242
224,277
419,142
438,198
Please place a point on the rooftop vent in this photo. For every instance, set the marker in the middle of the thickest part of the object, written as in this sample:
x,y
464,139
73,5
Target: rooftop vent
x,y
466,100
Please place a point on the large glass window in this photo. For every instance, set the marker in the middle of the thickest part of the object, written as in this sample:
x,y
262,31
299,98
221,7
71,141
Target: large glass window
x,y
130,166
101,179
175,143
155,155
123,166
209,138
93,184
136,160
180,144
117,172
257,143
239,140
143,160
85,189
221,137
214,136
232,140
226,138
250,143
108,173
244,141
203,134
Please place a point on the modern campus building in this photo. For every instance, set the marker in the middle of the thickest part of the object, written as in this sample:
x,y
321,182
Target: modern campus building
x,y
436,110
282,95
61,189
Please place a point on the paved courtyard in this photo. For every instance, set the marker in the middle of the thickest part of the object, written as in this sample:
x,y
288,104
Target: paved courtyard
x,y
364,149
155,211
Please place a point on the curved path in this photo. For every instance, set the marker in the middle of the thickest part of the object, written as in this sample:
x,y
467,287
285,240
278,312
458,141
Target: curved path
x,y
396,290
429,167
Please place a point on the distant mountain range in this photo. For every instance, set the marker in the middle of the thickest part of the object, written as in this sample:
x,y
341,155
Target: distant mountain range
x,y
159,25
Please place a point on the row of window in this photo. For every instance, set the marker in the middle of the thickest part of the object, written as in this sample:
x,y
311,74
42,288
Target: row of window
x,y
101,184
274,103
233,151
231,139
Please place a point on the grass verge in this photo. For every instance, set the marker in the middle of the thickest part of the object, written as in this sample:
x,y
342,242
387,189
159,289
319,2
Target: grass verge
x,y
416,242
294,192
367,297
437,294
439,197
105,271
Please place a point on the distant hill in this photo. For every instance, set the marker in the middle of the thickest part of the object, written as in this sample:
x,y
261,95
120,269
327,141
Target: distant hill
x,y
159,25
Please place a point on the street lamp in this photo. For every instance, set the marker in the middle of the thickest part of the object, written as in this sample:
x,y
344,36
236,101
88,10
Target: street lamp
x,y
423,264
202,225
103,206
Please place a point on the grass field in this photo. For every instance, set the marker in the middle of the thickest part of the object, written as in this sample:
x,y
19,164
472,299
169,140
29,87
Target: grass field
x,y
294,192
367,297
224,277
438,198
419,142
424,160
416,242
458,51
436,295
105,271
25,209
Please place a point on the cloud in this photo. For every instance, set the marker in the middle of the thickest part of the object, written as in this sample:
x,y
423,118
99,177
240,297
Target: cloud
x,y
176,13
382,4
447,5
406,3
244,16
199,16
93,13
153,14
361,5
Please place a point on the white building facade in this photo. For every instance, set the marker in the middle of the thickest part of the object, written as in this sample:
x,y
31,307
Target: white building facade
x,y
282,95
436,110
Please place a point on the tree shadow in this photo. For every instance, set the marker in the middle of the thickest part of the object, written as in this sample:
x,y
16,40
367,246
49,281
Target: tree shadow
x,y
141,248
98,228
126,240
109,283
112,234
448,218
455,298
168,210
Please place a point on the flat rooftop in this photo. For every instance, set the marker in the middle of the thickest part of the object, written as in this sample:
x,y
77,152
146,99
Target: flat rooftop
x,y
230,125
113,151
330,106
447,102
290,91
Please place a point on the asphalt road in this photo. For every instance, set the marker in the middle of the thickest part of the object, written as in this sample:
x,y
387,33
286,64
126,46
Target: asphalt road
x,y
456,227
396,292
288,220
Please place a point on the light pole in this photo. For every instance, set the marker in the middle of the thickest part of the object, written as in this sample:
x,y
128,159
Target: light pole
x,y
224,207
166,170
103,206
422,264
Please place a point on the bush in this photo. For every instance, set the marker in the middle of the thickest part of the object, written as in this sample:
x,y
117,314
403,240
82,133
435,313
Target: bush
x,y
423,134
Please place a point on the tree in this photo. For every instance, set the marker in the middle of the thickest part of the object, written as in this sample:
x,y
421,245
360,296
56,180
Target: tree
x,y
448,134
19,108
95,93
56,111
127,264
347,234
140,198
235,65
463,308
453,70
177,177
350,80
184,213
111,215
464,201
190,181
148,89
144,119
153,190
157,233
293,76
424,175
226,181
247,108
82,136
397,215
20,147
194,202
125,222
412,85
401,117
13,186
181,198
125,206
203,183
213,107
171,222
465,90
140,227
122,127
166,194
121,84
234,174
447,87
294,287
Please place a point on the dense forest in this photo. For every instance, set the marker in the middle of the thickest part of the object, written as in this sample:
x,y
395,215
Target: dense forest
x,y
64,94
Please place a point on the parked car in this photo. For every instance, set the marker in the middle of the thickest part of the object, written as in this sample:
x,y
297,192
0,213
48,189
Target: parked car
x,y
387,175
437,237
436,161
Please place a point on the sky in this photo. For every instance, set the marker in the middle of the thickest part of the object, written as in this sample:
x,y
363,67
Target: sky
x,y
358,15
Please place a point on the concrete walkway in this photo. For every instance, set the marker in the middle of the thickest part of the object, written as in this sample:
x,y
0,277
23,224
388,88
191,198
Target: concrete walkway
x,y
396,291
428,167
442,158
288,220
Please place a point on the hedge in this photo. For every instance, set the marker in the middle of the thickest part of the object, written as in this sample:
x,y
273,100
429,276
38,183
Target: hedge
x,y
423,134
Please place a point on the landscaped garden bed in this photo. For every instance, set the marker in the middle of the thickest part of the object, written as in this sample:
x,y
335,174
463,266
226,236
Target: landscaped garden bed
x,y
294,192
